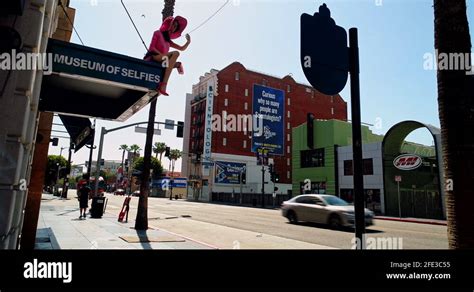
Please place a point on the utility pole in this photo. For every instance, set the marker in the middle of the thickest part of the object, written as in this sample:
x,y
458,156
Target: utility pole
x,y
141,222
359,201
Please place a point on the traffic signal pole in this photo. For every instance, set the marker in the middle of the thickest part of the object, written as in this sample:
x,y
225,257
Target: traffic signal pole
x,y
359,196
104,132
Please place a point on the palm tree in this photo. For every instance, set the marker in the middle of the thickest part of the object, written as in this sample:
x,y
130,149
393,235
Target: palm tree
x,y
124,148
159,148
456,103
175,154
141,222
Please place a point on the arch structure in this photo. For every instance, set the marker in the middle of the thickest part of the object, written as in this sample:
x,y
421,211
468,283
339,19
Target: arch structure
x,y
419,192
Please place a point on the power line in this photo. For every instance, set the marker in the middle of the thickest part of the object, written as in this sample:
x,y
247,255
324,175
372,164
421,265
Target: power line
x,y
70,21
210,17
131,19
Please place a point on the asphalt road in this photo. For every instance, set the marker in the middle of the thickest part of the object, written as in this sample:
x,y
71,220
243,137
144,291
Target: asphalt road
x,y
264,221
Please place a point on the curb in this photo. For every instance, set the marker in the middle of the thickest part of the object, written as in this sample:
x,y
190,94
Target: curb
x,y
408,220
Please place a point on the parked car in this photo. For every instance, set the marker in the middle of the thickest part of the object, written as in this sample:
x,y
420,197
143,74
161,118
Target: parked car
x,y
325,209
119,192
136,193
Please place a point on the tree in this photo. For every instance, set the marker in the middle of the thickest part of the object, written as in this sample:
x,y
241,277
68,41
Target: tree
x,y
141,222
456,107
53,168
135,149
175,154
159,148
155,166
124,148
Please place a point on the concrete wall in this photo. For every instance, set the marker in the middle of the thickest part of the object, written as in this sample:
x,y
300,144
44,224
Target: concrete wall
x,y
375,181
19,117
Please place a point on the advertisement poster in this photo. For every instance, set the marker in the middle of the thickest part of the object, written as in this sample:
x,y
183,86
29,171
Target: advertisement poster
x,y
269,104
228,172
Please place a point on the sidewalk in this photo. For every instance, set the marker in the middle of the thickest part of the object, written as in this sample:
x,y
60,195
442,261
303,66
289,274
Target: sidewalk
x,y
413,220
59,227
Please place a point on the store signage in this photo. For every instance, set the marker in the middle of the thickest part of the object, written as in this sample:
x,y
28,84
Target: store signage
x,y
407,162
269,106
89,62
208,127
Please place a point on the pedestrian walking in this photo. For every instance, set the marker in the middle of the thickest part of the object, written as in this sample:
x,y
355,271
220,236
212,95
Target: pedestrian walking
x,y
84,200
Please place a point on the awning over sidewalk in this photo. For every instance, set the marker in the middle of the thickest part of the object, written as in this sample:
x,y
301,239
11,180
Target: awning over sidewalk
x,y
89,82
79,129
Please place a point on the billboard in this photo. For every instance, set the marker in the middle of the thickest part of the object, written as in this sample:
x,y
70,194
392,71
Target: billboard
x,y
228,172
269,107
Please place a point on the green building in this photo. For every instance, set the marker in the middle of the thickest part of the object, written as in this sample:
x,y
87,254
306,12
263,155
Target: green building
x,y
319,165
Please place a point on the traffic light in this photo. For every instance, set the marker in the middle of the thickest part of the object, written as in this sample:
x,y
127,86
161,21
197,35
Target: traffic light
x,y
180,132
275,177
102,162
243,177
55,141
167,152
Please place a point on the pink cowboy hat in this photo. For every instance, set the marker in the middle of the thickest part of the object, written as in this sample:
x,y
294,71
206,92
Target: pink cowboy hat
x,y
182,23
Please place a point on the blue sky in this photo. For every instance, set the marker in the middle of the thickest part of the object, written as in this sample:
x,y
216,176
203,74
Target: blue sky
x,y
264,36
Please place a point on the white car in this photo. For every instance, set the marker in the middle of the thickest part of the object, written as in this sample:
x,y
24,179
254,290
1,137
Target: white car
x,y
325,209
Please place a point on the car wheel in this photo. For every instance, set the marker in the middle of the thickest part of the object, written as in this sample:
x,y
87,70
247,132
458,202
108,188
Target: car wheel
x,y
334,221
292,217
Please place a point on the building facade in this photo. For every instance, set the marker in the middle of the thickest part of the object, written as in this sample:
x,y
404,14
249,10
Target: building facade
x,y
328,168
234,112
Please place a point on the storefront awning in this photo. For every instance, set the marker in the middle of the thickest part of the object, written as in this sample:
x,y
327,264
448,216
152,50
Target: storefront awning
x,y
79,129
89,82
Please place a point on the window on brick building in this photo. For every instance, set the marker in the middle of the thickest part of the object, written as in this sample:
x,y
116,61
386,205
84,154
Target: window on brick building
x,y
288,149
288,161
245,144
332,99
246,92
289,101
289,126
237,76
288,174
332,111
226,102
288,88
224,142
289,137
246,106
289,115
227,88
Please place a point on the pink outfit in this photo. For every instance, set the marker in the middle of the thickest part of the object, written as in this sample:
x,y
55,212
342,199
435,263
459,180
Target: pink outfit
x,y
158,42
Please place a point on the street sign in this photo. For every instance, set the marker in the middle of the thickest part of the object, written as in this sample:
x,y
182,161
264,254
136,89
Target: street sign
x,y
398,178
156,132
324,52
169,124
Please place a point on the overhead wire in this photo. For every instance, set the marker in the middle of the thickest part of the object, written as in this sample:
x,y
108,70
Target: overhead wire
x,y
70,21
210,17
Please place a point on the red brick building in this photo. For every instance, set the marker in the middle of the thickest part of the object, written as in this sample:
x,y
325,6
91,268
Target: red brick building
x,y
232,95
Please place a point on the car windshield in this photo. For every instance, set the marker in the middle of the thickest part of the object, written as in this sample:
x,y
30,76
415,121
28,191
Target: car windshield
x,y
335,201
